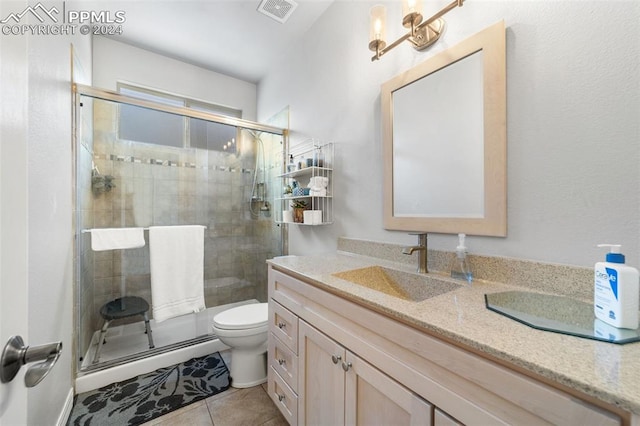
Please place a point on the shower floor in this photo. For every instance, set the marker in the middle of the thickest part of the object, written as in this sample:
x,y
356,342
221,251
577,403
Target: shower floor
x,y
130,339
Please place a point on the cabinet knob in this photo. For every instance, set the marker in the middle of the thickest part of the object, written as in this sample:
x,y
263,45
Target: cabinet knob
x,y
280,397
346,366
281,361
335,358
282,325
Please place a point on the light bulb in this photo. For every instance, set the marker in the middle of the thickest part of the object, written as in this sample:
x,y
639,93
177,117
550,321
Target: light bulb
x,y
378,23
411,6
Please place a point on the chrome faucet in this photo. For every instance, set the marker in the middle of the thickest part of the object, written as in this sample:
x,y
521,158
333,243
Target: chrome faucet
x,y
422,248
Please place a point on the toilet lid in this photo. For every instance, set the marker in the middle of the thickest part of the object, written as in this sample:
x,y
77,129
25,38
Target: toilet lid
x,y
245,316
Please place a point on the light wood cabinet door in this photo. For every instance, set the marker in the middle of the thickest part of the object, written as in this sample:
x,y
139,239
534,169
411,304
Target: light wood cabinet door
x,y
336,387
320,378
373,398
442,419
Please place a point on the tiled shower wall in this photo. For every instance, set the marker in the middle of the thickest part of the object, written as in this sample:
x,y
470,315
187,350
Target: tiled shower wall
x,y
160,185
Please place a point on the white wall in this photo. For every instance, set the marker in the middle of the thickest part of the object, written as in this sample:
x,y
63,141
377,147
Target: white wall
x,y
114,61
13,209
40,92
573,106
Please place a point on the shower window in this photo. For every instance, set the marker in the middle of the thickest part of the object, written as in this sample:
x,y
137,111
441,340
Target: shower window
x,y
161,128
149,126
212,136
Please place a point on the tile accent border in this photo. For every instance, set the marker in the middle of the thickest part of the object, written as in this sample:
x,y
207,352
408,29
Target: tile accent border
x,y
167,163
572,281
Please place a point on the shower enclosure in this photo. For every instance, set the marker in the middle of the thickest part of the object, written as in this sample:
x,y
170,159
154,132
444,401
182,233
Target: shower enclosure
x,y
141,164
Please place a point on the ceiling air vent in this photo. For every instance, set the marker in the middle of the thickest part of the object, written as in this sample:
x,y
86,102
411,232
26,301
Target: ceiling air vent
x,y
280,10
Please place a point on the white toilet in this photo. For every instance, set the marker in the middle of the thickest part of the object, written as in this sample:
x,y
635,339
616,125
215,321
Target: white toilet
x,y
244,330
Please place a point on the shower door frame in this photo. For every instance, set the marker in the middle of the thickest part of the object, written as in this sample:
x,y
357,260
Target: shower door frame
x,y
108,95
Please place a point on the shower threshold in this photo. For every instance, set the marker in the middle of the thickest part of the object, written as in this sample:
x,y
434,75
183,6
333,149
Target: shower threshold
x,y
125,354
148,353
103,375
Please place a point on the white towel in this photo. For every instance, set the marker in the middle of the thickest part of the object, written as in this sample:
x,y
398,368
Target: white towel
x,y
116,238
176,255
318,193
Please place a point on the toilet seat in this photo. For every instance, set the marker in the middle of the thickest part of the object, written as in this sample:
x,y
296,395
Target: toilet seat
x,y
243,317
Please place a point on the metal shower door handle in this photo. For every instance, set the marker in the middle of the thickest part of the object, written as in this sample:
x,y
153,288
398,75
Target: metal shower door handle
x,y
16,354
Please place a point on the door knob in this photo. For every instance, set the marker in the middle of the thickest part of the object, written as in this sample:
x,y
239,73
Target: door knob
x,y
335,358
16,354
346,366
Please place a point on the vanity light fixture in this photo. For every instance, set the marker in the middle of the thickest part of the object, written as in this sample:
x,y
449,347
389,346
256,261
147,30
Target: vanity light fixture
x,y
421,35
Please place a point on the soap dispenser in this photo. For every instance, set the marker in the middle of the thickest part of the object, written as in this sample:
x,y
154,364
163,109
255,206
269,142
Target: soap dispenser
x,y
460,267
615,296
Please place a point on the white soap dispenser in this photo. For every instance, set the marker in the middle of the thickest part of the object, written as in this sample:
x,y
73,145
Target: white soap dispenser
x,y
615,297
460,268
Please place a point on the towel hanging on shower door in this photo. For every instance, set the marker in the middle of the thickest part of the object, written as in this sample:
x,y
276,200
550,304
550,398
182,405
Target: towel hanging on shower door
x,y
116,238
176,255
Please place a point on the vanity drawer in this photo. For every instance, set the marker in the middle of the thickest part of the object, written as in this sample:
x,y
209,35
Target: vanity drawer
x,y
284,325
283,361
285,399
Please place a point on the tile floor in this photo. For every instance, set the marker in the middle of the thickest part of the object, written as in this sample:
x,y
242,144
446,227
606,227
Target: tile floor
x,y
233,407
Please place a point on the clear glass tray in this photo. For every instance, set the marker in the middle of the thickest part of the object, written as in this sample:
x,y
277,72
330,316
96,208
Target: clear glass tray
x,y
558,314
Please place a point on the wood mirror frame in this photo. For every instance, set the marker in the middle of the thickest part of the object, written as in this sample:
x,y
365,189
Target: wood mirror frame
x,y
491,41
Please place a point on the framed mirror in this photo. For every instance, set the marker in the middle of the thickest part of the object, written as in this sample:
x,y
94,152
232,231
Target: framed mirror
x,y
445,142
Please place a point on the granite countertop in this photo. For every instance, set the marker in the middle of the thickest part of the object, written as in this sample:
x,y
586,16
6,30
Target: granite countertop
x,y
606,371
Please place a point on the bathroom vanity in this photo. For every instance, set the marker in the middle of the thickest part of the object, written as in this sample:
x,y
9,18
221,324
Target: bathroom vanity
x,y
343,353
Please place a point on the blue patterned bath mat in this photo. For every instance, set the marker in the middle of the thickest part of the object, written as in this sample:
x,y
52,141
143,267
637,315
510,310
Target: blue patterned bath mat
x,y
138,400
